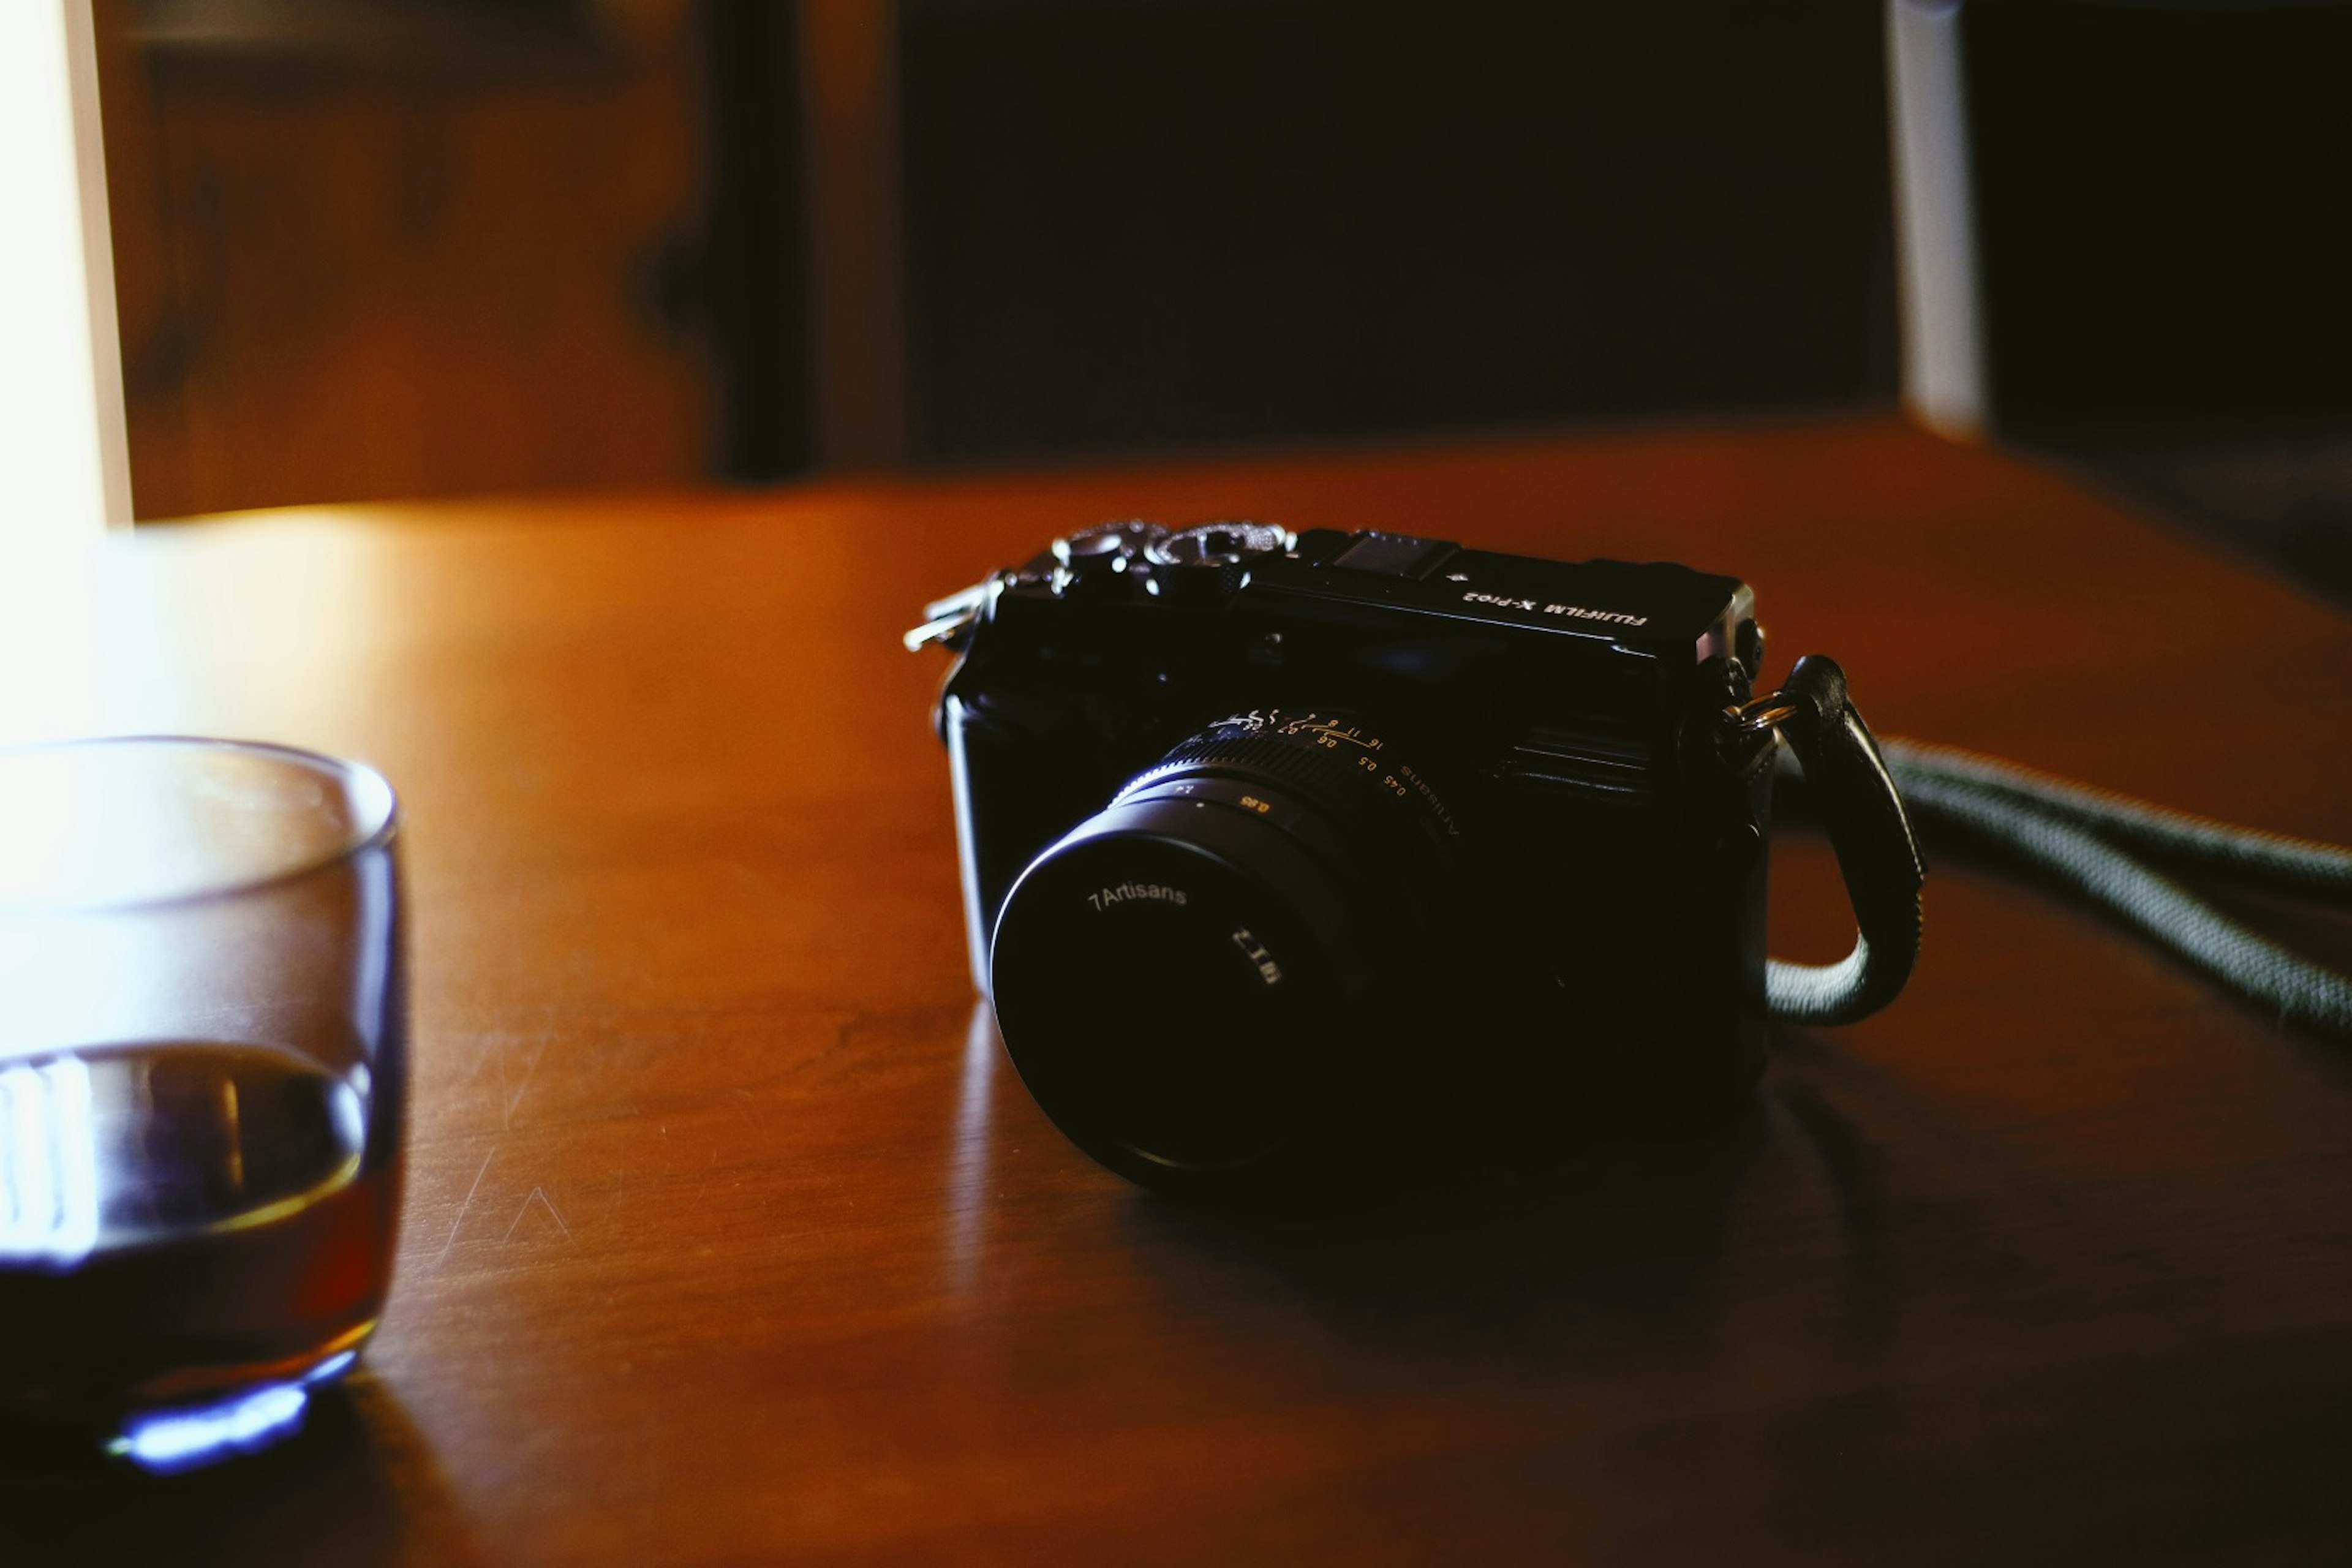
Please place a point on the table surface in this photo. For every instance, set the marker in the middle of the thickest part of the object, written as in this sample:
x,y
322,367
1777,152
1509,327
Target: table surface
x,y
729,1238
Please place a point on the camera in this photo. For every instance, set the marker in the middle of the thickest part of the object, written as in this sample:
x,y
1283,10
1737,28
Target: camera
x,y
1272,841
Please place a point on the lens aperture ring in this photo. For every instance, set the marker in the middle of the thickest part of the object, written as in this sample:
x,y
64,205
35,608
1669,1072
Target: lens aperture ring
x,y
1334,760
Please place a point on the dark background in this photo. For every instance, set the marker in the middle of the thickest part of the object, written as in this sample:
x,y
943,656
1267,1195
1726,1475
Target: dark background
x,y
2164,205
386,248
530,243
1148,225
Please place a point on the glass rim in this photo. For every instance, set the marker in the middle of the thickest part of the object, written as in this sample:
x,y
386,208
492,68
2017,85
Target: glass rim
x,y
349,771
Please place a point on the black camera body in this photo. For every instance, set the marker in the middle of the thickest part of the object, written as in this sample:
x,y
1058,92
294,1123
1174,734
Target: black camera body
x,y
1268,840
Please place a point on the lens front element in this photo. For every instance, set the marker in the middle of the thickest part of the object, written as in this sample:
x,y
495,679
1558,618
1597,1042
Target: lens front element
x,y
1161,1020
1201,984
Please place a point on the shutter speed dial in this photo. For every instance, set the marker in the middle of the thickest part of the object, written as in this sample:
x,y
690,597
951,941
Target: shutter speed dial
x,y
1210,560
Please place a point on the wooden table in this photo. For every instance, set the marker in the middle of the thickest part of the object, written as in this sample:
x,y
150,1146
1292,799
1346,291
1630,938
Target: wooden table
x,y
729,1238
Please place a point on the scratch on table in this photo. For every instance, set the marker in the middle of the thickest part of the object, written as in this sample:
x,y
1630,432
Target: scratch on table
x,y
462,1209
704,1186
529,1069
538,1196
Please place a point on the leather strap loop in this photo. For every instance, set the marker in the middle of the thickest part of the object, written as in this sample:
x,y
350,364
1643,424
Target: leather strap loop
x,y
1876,852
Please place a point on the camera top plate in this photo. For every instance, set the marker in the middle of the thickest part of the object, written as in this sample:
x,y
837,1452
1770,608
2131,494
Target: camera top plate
x,y
1658,607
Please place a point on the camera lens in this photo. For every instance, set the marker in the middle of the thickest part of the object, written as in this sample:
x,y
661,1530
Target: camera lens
x,y
1200,983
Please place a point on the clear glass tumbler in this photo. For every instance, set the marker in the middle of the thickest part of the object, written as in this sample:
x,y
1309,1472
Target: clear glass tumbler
x,y
202,1066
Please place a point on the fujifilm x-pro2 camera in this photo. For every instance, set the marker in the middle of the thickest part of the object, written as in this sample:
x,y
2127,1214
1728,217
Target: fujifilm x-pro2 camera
x,y
1270,840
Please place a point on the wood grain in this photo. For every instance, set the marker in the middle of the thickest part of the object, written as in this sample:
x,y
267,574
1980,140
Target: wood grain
x,y
729,1240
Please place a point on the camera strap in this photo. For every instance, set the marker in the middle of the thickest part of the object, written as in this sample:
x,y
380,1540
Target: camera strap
x,y
2107,848
1869,829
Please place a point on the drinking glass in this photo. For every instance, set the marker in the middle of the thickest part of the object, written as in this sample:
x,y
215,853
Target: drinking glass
x,y
202,1066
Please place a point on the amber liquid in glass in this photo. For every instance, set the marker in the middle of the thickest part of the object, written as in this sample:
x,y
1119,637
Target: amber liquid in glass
x,y
182,1219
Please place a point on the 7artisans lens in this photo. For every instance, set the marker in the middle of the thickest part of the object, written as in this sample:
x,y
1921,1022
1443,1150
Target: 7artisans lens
x,y
1199,983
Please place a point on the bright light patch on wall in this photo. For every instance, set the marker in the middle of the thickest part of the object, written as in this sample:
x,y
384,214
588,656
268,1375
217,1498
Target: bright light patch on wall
x,y
64,471
61,438
1944,379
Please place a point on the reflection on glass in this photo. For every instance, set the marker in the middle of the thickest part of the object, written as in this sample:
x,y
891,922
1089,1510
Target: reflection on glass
x,y
183,1440
49,1187
170,1441
120,1148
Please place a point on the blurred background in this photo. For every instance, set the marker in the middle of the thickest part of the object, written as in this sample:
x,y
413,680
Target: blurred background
x,y
368,248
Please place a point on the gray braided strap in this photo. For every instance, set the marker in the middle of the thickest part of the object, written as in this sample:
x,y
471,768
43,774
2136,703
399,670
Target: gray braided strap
x,y
2049,823
2242,855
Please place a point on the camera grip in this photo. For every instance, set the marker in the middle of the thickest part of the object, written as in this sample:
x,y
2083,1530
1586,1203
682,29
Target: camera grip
x,y
1877,853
